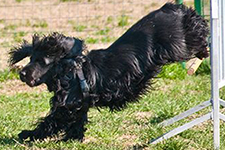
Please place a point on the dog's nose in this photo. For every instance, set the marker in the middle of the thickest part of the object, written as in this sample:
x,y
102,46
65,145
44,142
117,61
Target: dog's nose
x,y
23,75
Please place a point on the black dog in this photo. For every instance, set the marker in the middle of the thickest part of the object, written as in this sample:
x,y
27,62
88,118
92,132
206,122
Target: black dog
x,y
109,77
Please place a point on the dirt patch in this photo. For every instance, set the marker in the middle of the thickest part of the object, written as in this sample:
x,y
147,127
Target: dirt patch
x,y
12,87
89,140
143,115
129,140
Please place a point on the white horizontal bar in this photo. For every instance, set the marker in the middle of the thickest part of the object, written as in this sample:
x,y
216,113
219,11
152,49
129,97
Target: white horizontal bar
x,y
186,113
181,128
222,116
222,102
221,83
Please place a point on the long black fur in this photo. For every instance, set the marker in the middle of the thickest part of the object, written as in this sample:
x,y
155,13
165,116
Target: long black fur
x,y
116,75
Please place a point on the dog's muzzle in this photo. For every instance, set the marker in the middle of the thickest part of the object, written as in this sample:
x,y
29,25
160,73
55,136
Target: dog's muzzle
x,y
25,77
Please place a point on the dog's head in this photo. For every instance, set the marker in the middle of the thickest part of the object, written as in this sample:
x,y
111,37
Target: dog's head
x,y
45,53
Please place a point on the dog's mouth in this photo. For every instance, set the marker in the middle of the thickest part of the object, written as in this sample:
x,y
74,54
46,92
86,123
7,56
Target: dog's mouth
x,y
30,80
33,82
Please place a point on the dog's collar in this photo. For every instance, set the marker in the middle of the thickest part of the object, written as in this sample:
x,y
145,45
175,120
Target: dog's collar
x,y
76,48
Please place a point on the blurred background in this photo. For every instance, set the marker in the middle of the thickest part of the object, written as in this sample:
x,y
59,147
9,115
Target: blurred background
x,y
98,22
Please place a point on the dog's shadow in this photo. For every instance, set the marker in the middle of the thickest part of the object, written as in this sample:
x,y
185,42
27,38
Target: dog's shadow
x,y
8,141
139,147
156,120
13,141
160,118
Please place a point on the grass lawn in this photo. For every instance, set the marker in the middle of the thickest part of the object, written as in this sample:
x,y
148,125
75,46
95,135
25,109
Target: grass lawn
x,y
131,128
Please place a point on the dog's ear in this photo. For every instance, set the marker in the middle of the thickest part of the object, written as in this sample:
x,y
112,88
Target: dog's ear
x,y
73,46
19,53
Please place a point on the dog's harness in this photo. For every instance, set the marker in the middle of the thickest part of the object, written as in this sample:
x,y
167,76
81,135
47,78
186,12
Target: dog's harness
x,y
77,60
80,74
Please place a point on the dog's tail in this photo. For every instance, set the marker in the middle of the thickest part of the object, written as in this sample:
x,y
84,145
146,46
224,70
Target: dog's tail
x,y
185,35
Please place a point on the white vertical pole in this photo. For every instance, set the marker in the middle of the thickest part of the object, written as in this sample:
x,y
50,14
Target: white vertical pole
x,y
223,38
214,70
220,39
217,17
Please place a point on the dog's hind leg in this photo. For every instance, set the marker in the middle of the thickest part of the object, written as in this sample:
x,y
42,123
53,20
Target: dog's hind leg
x,y
180,34
196,32
79,118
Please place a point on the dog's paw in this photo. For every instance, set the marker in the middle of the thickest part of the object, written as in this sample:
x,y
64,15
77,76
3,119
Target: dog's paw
x,y
67,138
25,134
79,136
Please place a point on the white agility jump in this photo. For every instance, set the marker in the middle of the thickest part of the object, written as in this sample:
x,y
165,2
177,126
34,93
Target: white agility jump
x,y
217,56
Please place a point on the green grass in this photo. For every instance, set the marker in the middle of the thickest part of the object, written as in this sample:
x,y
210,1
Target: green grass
x,y
204,68
91,40
40,24
11,27
173,71
27,23
18,36
109,20
6,44
131,128
8,75
108,39
18,1
103,31
123,20
77,27
2,21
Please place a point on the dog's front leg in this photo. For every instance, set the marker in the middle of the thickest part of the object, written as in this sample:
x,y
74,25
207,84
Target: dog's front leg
x,y
76,129
47,127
